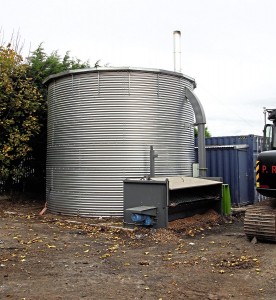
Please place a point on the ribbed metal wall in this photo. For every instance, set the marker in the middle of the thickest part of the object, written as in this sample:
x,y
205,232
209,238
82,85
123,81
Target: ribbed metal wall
x,y
234,159
101,124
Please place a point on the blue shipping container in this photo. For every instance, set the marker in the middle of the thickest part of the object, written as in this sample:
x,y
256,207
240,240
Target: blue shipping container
x,y
233,158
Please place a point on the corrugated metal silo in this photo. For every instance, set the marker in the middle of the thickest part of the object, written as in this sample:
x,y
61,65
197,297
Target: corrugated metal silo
x,y
101,124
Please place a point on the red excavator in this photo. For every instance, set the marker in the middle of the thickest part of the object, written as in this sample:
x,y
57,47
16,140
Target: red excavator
x,y
260,219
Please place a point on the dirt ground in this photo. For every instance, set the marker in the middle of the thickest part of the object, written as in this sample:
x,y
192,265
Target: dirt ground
x,y
59,257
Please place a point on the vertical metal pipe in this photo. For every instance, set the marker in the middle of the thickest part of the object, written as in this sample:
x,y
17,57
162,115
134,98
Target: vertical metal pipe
x,y
201,150
177,50
264,108
200,122
153,155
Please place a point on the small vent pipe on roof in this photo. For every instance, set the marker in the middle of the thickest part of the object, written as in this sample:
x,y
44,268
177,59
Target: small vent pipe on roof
x,y
177,50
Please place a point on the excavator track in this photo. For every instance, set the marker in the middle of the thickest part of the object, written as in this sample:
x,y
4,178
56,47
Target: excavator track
x,y
260,222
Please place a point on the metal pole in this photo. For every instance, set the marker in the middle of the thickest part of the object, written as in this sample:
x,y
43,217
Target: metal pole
x,y
201,150
177,50
153,155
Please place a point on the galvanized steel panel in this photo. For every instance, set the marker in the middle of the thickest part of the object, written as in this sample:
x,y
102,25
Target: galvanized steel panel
x,y
101,124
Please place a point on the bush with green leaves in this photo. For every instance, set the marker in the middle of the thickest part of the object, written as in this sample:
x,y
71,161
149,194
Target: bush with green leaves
x,y
20,101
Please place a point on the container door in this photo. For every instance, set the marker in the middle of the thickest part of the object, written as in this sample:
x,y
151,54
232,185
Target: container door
x,y
243,177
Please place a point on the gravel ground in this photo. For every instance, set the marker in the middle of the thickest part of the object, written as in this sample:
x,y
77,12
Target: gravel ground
x,y
58,257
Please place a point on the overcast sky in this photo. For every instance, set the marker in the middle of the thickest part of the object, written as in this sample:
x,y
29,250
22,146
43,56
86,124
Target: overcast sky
x,y
228,46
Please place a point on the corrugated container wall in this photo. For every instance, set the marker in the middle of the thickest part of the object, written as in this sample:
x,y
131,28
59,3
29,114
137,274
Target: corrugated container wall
x,y
233,158
101,124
